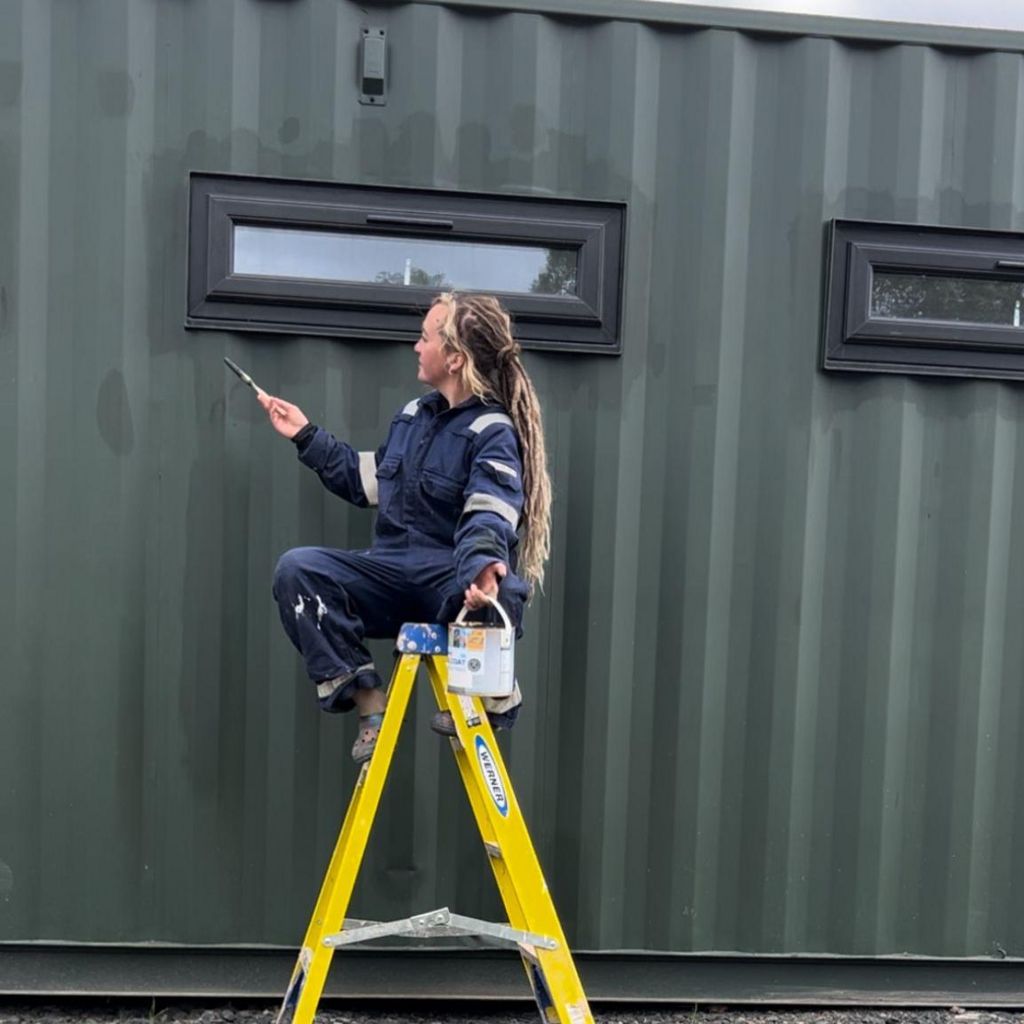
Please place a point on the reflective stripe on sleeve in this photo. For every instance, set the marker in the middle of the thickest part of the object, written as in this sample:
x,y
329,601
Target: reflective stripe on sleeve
x,y
489,419
501,467
489,503
368,475
411,408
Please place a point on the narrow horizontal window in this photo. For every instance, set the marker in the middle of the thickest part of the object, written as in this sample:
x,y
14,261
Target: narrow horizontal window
x,y
364,262
915,299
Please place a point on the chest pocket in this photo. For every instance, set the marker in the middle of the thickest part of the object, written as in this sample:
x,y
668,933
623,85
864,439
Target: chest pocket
x,y
443,500
448,456
389,479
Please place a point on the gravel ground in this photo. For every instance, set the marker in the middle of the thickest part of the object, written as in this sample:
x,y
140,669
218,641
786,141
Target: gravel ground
x,y
155,1013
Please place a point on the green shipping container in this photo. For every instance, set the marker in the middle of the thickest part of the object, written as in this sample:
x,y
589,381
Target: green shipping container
x,y
774,682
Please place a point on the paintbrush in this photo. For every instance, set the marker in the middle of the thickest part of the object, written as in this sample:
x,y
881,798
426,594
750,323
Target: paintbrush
x,y
243,376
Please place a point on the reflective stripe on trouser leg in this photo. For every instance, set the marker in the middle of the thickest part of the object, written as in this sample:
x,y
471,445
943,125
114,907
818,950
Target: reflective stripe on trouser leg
x,y
328,687
498,704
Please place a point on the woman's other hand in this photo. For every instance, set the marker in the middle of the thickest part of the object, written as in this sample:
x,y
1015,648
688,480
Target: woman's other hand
x,y
485,585
285,418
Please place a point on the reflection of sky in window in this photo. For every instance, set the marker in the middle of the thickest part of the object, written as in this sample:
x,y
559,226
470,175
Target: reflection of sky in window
x,y
337,256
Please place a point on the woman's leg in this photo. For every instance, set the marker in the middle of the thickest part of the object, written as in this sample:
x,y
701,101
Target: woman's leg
x,y
329,602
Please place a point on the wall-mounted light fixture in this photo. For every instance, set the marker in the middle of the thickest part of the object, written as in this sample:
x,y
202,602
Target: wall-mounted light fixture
x,y
373,67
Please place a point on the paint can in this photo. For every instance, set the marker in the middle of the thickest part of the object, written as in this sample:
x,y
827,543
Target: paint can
x,y
481,658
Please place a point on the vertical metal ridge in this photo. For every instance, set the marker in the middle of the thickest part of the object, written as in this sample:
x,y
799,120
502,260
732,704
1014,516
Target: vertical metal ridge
x,y
896,672
27,318
994,101
730,110
807,922
991,674
791,690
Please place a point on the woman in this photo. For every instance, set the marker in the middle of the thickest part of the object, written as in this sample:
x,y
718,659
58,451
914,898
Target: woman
x,y
462,472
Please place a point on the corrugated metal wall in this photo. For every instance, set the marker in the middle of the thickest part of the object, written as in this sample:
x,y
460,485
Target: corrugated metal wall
x,y
775,679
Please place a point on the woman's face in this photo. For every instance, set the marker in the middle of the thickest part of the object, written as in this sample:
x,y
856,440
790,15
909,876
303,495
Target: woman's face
x,y
433,366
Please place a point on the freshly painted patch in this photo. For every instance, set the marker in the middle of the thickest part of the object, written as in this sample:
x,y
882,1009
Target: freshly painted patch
x,y
491,776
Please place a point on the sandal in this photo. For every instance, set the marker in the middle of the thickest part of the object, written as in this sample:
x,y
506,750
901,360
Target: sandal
x,y
366,741
441,721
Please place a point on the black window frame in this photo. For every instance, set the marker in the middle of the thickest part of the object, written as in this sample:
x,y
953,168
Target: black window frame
x,y
855,340
218,299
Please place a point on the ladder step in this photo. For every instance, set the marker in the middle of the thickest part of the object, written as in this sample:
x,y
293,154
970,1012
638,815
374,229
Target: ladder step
x,y
437,924
493,850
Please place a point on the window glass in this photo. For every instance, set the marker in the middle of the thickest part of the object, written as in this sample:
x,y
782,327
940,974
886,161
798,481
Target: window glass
x,y
976,300
403,260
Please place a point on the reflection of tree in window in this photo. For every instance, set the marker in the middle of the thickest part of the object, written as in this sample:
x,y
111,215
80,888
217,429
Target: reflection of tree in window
x,y
559,274
418,278
936,297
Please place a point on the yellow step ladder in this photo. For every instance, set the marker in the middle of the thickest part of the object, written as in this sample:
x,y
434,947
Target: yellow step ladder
x,y
533,925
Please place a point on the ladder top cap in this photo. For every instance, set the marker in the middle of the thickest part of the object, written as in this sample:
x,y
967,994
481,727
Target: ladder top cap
x,y
422,638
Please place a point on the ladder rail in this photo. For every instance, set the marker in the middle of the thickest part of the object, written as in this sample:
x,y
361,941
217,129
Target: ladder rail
x,y
477,800
310,973
517,871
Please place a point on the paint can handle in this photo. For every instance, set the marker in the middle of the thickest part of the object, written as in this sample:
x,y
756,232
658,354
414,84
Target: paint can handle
x,y
461,617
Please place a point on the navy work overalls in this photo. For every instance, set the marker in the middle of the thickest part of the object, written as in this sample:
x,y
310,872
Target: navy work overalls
x,y
449,490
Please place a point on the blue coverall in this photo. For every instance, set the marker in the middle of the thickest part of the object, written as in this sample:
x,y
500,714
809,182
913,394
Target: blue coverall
x,y
449,490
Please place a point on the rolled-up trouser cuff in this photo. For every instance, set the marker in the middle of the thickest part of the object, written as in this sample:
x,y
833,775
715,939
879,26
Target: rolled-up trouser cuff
x,y
498,705
338,694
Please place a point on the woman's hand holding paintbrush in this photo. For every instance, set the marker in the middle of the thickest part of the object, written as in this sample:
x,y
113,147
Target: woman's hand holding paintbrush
x,y
285,418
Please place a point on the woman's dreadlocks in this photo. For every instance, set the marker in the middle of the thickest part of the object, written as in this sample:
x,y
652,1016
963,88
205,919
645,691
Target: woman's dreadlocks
x,y
479,327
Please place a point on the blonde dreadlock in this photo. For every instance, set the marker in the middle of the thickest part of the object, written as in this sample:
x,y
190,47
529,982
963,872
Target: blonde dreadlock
x,y
479,327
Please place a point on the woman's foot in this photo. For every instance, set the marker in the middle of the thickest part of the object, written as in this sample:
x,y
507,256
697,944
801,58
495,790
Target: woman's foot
x,y
441,721
366,741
